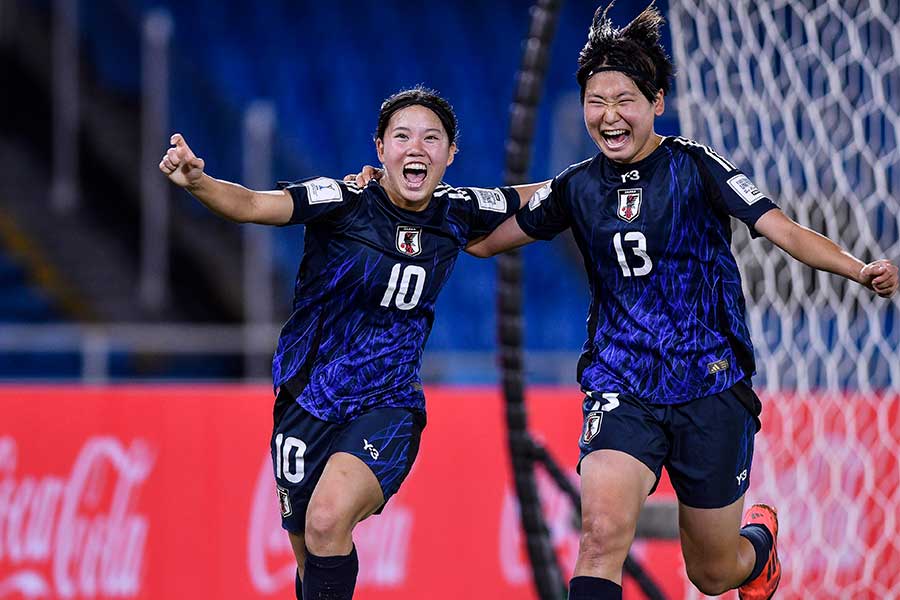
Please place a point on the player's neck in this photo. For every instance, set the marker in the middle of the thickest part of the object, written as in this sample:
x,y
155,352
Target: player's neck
x,y
400,202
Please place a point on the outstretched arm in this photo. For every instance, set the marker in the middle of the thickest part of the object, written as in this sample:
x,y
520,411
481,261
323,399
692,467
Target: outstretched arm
x,y
226,199
819,252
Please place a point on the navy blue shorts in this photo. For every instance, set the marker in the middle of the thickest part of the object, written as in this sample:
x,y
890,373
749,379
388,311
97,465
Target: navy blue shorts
x,y
706,445
386,439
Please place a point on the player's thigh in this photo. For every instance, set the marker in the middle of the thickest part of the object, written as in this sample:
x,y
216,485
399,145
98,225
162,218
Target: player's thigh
x,y
623,446
372,455
614,486
300,448
712,448
347,493
710,535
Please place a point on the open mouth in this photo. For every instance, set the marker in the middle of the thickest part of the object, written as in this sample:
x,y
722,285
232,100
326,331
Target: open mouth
x,y
414,174
615,138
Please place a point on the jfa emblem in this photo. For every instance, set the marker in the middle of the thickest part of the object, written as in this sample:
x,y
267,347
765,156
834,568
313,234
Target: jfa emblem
x,y
284,500
629,204
409,240
592,426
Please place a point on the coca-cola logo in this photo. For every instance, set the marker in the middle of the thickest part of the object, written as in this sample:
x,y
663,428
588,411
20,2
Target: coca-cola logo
x,y
382,542
74,535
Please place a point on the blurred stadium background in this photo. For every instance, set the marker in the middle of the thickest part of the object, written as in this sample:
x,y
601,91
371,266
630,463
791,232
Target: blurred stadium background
x,y
112,276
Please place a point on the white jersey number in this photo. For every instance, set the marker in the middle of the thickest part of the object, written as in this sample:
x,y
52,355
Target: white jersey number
x,y
403,300
284,468
640,251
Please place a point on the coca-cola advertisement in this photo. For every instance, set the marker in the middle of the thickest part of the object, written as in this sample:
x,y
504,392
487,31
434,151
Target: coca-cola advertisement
x,y
166,492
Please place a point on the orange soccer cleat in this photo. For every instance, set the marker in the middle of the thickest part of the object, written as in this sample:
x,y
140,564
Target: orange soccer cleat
x,y
764,585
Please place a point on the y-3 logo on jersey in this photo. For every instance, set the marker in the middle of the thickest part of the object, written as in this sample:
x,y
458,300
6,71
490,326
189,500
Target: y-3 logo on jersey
x,y
633,175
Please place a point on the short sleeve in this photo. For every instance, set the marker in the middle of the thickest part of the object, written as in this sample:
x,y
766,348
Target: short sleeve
x,y
546,214
730,190
321,199
488,208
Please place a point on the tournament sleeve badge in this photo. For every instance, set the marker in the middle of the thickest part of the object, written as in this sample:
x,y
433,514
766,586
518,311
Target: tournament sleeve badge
x,y
323,190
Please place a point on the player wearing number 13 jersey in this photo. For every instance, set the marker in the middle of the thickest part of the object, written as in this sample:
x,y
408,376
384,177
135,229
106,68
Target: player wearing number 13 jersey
x,y
667,364
349,409
666,319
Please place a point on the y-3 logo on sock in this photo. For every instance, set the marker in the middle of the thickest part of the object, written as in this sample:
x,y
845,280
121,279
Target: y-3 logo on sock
x,y
372,450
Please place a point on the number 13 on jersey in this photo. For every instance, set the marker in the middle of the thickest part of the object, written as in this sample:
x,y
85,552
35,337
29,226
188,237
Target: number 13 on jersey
x,y
639,250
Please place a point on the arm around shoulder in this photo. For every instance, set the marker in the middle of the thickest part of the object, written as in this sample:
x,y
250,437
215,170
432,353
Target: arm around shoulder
x,y
507,236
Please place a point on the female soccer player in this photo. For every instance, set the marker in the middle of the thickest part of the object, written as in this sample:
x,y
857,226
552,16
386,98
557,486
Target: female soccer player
x,y
349,407
667,364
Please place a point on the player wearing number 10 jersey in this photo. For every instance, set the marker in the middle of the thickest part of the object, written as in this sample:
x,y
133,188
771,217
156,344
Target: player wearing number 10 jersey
x,y
366,288
349,407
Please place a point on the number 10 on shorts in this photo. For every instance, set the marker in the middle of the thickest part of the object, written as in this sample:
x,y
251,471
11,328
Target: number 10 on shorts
x,y
285,468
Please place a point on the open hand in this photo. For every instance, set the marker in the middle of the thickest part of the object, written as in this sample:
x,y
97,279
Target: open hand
x,y
180,163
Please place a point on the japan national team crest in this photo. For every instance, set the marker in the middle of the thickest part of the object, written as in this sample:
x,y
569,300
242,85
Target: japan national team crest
x,y
629,204
284,499
591,426
409,240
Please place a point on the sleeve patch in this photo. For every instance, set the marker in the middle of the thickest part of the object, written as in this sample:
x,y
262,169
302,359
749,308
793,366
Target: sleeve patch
x,y
323,190
492,200
744,188
539,196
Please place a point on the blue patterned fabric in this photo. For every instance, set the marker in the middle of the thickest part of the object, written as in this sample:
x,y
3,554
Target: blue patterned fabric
x,y
666,320
366,288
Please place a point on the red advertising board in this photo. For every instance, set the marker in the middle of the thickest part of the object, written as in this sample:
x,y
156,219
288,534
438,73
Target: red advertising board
x,y
159,492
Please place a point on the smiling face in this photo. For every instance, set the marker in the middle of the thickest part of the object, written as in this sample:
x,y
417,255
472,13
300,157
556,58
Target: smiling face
x,y
619,117
415,152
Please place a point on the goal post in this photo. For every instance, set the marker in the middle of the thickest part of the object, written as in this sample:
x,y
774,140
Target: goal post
x,y
803,96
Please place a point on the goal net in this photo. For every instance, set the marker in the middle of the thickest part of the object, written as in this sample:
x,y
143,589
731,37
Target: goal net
x,y
803,95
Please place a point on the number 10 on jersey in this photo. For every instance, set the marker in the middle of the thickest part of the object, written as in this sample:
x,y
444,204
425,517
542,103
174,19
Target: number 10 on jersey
x,y
402,297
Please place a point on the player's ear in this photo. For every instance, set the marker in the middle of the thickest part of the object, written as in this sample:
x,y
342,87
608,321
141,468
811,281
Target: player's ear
x,y
453,150
379,148
659,106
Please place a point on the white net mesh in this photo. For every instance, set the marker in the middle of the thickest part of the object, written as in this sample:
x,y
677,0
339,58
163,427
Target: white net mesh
x,y
803,95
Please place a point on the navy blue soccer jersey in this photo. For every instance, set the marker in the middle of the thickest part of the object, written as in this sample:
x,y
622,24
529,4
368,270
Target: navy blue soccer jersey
x,y
666,321
366,289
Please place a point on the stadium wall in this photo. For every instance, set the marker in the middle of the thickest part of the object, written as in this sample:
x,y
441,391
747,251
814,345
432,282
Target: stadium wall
x,y
167,492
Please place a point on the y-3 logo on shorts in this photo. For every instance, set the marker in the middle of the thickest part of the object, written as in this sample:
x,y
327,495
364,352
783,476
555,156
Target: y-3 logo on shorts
x,y
743,475
372,450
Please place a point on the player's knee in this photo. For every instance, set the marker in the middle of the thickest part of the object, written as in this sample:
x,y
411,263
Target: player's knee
x,y
604,537
710,579
326,527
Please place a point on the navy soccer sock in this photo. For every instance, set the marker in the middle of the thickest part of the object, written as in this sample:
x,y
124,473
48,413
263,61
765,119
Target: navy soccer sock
x,y
594,588
330,577
298,586
761,539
